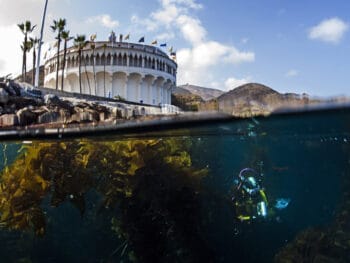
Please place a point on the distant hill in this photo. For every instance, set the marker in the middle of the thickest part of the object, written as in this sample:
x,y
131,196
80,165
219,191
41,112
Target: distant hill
x,y
205,93
254,99
181,91
189,97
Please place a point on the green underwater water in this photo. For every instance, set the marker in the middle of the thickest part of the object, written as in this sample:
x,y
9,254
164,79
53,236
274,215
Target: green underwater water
x,y
172,195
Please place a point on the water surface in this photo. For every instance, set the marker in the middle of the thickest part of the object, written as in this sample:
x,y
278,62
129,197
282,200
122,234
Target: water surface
x,y
172,195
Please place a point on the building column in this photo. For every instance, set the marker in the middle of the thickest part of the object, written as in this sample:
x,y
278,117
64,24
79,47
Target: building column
x,y
134,87
146,89
156,87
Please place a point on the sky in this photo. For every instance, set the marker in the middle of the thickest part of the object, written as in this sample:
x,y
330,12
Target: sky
x,y
300,46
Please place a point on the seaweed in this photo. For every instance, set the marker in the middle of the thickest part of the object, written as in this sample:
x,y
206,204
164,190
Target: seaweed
x,y
150,186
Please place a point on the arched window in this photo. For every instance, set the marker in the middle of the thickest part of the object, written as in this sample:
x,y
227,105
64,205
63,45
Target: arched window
x,y
87,60
82,60
92,62
98,60
120,60
131,61
153,63
125,60
115,59
140,61
109,58
136,61
103,59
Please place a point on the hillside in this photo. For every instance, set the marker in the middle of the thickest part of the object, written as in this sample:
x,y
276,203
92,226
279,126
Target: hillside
x,y
254,99
205,93
190,97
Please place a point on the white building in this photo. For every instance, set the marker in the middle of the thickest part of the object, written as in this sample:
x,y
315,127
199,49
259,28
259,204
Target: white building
x,y
134,72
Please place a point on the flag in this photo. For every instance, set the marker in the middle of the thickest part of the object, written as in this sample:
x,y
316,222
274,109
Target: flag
x,y
173,55
93,37
142,39
112,37
163,45
170,49
154,42
127,37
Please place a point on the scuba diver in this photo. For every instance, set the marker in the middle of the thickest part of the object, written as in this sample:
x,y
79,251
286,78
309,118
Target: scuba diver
x,y
249,197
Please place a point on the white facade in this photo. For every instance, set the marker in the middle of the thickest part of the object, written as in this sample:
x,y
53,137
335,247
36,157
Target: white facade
x,y
137,73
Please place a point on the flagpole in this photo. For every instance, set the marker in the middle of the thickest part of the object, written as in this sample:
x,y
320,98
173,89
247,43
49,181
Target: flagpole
x,y
39,50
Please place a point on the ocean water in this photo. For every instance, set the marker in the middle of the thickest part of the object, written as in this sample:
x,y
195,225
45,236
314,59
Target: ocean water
x,y
176,195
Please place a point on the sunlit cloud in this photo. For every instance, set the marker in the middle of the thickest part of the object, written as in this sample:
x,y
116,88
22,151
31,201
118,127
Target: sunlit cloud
x,y
330,30
104,20
196,61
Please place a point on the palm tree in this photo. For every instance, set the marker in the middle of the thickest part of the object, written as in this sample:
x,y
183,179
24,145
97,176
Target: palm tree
x,y
92,44
65,36
86,73
104,70
59,27
33,43
80,42
26,47
26,28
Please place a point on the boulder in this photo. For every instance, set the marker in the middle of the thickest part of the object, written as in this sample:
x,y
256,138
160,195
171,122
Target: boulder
x,y
128,113
136,112
4,96
21,102
64,115
15,87
26,116
49,117
52,100
8,120
84,117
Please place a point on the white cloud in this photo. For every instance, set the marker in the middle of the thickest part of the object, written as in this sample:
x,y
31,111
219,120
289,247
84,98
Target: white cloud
x,y
187,3
232,82
330,30
191,29
166,15
147,23
165,36
195,62
10,51
14,12
104,20
292,73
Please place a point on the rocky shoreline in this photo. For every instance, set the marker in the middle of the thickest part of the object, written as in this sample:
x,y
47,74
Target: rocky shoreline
x,y
21,105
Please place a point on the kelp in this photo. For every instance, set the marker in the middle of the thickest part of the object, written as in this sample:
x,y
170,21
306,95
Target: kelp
x,y
150,186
